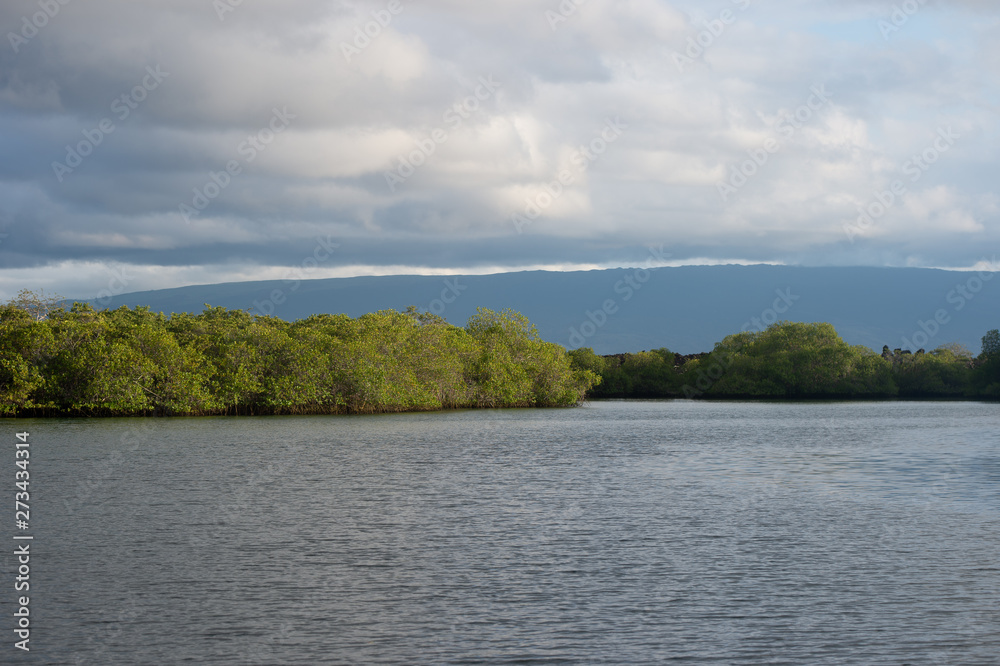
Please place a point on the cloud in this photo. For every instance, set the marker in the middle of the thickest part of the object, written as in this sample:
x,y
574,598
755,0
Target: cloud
x,y
371,87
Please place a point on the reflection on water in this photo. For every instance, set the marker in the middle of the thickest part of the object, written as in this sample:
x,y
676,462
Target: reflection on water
x,y
620,532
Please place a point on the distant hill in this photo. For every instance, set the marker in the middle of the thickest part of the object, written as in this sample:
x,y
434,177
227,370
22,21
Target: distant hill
x,y
686,309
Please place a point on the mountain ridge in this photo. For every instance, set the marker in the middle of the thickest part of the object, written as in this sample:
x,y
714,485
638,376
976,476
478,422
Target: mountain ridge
x,y
686,309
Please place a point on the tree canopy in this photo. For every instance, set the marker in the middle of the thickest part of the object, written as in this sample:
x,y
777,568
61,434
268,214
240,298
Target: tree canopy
x,y
796,360
991,343
134,361
987,377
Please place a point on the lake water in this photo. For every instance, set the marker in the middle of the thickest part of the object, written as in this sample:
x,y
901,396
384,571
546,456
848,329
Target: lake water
x,y
618,532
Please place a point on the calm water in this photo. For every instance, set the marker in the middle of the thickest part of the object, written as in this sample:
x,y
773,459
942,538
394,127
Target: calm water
x,y
620,532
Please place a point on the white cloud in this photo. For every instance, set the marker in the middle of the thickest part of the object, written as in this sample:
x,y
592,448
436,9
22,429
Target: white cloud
x,y
686,131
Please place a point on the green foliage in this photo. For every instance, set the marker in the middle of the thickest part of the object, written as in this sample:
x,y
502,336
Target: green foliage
x,y
134,361
986,377
647,374
793,360
584,358
126,361
986,381
615,382
945,372
25,346
514,366
790,360
651,373
991,344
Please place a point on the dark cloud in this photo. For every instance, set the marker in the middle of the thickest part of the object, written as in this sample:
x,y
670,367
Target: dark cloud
x,y
186,92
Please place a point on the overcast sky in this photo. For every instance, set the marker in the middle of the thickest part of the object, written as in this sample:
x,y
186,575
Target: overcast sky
x,y
171,142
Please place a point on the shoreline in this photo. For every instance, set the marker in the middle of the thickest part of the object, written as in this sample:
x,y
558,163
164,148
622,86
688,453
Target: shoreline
x,y
48,414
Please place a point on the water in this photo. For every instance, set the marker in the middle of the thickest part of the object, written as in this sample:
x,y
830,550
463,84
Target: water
x,y
620,532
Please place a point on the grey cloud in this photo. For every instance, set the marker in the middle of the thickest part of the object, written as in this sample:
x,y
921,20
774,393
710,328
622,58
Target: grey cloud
x,y
687,131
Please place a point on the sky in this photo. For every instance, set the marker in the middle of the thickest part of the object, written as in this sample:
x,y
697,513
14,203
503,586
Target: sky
x,y
165,143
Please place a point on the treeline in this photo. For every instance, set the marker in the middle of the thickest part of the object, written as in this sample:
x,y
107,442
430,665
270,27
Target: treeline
x,y
137,362
122,362
793,360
